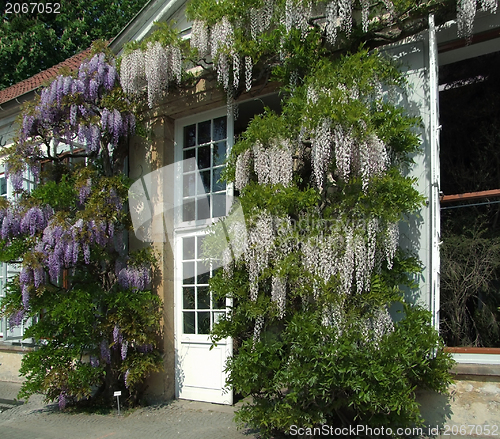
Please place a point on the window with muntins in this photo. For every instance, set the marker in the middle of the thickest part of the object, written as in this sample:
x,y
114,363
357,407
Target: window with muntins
x,y
206,142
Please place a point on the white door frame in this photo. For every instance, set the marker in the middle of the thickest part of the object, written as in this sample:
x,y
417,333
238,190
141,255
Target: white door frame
x,y
199,366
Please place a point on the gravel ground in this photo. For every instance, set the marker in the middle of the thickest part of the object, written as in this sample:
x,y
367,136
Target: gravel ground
x,y
176,419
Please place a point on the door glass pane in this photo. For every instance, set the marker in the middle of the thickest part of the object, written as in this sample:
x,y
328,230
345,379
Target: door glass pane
x,y
219,184
218,303
188,297
203,272
203,323
204,134
203,298
188,248
199,247
204,157
189,164
189,322
188,273
189,136
220,128
219,153
200,308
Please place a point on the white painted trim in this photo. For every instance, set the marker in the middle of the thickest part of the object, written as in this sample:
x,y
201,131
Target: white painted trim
x,y
435,208
143,23
476,358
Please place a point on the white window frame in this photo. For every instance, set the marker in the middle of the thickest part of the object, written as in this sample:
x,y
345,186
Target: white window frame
x,y
445,33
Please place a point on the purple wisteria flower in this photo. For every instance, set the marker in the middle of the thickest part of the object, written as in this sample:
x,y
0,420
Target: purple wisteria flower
x,y
86,253
10,225
73,112
38,276
62,400
16,178
135,278
16,319
145,348
26,297
34,221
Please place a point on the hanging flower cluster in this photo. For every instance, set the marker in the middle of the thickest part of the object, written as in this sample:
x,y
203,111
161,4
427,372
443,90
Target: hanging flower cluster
x,y
69,115
321,150
375,327
64,245
350,253
135,278
278,294
153,68
272,165
466,12
365,158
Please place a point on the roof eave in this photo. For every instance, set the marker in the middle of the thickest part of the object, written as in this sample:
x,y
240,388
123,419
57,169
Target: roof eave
x,y
142,24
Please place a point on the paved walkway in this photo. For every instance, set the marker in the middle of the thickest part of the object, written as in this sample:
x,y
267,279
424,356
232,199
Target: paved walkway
x,y
177,419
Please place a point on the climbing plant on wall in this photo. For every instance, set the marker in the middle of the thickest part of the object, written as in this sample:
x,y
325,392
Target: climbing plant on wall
x,y
92,313
323,331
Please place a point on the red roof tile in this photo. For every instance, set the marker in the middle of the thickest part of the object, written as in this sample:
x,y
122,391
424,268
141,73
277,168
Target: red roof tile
x,y
37,80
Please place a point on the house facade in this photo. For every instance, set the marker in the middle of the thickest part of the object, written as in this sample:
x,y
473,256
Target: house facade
x,y
196,124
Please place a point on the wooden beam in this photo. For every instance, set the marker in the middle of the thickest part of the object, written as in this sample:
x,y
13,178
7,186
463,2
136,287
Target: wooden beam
x,y
472,350
469,196
477,38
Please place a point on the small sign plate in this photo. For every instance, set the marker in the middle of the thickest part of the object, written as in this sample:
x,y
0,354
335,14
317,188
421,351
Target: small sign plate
x,y
118,393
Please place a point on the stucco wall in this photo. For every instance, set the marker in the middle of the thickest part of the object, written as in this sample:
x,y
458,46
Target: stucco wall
x,y
473,404
10,362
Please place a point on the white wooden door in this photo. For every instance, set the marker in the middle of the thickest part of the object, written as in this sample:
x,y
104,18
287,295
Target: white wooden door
x,y
201,199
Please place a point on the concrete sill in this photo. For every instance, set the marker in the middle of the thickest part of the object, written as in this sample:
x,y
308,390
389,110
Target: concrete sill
x,y
9,347
473,371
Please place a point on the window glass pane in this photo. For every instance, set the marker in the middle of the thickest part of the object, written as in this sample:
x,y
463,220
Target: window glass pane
x,y
204,157
204,134
188,154
203,208
188,248
189,136
189,324
199,243
220,129
188,273
188,297
188,211
189,185
203,322
203,272
219,153
3,186
219,184
205,179
203,298
219,203
218,304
